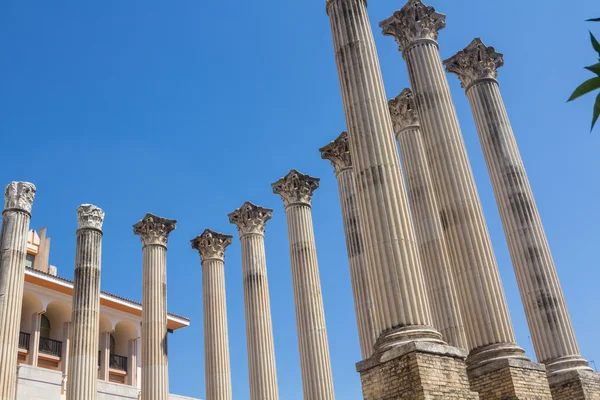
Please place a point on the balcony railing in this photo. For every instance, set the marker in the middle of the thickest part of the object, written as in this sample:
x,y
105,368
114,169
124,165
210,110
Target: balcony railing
x,y
50,346
118,362
24,340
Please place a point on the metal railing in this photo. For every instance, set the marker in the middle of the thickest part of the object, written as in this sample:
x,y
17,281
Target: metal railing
x,y
24,340
118,362
50,346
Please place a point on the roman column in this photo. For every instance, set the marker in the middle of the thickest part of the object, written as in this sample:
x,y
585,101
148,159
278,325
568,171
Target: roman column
x,y
250,221
211,246
154,233
545,306
485,312
296,190
18,198
83,362
402,312
338,153
443,298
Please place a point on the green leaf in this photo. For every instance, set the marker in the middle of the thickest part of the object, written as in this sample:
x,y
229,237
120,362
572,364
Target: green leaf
x,y
594,68
595,43
585,87
593,20
596,112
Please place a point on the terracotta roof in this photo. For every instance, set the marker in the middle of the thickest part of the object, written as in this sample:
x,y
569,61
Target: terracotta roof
x,y
102,292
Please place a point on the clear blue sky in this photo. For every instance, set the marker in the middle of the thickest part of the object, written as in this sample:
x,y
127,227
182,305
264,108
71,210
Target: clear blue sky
x,y
189,108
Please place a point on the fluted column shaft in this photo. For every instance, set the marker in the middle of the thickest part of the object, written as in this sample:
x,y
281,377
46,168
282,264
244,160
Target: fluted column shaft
x,y
250,220
437,267
13,252
216,336
545,306
83,355
399,294
317,379
154,233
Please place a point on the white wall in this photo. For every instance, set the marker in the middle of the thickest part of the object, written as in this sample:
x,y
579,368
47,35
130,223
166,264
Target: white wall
x,y
38,384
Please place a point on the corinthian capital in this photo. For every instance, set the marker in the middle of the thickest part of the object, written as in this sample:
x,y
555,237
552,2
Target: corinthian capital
x,y
250,218
412,23
403,110
338,153
19,195
90,217
154,230
211,244
476,62
296,188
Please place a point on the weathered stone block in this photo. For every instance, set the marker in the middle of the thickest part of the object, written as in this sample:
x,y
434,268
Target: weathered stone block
x,y
575,385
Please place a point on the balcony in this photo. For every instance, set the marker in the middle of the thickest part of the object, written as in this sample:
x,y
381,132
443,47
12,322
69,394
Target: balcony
x,y
24,340
50,346
118,362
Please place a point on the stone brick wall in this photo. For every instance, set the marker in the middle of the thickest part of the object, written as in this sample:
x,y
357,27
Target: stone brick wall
x,y
512,383
579,385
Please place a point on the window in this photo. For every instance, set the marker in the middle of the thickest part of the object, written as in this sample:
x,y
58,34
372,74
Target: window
x,y
45,327
29,260
112,344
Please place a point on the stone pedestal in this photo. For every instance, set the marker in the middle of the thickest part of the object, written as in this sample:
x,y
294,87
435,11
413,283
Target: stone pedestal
x,y
338,153
439,276
296,190
549,321
575,385
83,361
416,371
154,233
250,221
18,198
211,246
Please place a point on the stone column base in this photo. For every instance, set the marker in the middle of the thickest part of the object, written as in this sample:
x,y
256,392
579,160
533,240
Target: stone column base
x,y
510,379
416,371
575,385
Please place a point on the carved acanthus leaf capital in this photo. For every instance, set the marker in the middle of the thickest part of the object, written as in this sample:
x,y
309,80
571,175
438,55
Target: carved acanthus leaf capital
x,y
477,61
250,218
413,22
403,110
296,188
154,230
19,195
211,244
338,153
89,217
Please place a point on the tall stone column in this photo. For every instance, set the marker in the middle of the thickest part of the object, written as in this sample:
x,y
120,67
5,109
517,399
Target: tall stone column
x,y
492,342
83,363
545,306
296,190
250,221
443,297
154,232
403,317
18,198
338,153
211,246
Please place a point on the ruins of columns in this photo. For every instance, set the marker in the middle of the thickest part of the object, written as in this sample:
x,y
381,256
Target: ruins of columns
x,y
250,220
18,198
296,191
211,246
338,153
154,234
443,298
549,322
83,353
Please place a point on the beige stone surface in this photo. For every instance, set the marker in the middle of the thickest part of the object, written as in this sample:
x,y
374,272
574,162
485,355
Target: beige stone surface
x,y
250,220
437,266
549,321
217,369
18,198
83,351
338,153
577,384
296,190
483,304
398,286
154,233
